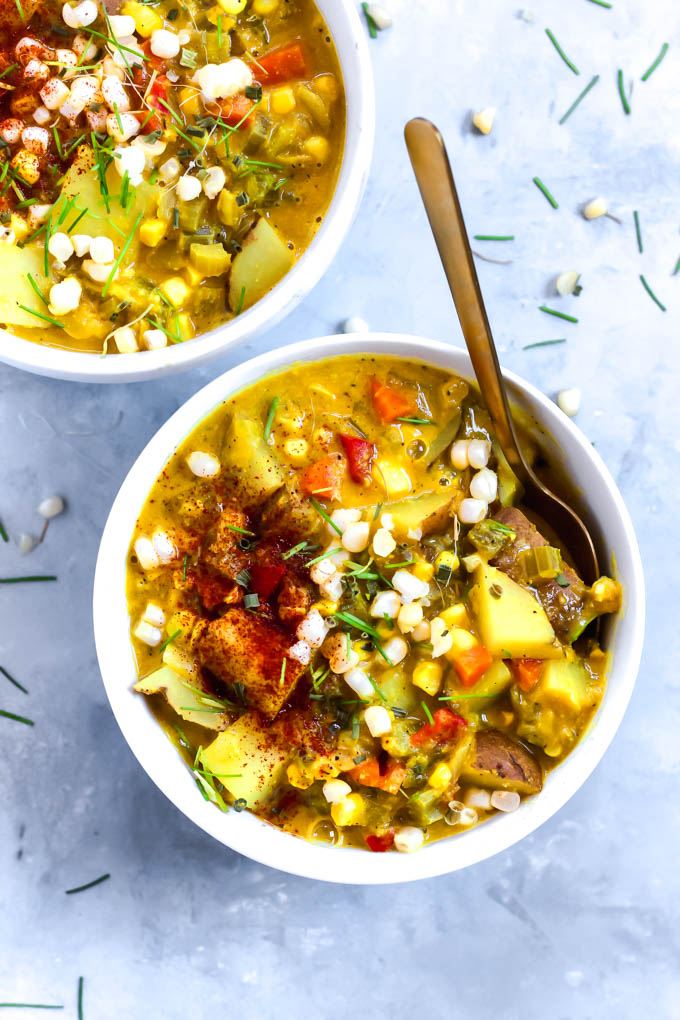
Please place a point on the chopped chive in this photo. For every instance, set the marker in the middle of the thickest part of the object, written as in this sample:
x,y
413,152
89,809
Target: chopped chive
x,y
3,534
18,580
241,299
324,556
677,268
320,510
283,672
622,93
88,885
544,343
292,552
651,293
652,67
66,210
17,718
38,291
270,418
20,9
593,81
219,31
355,726
378,508
243,578
48,228
241,531
541,187
39,315
81,981
381,694
427,713
494,237
365,628
416,421
372,27
559,315
125,190
77,220
117,114
27,1005
112,41
8,70
169,640
637,230
123,252
12,680
184,566
601,3
57,142
561,52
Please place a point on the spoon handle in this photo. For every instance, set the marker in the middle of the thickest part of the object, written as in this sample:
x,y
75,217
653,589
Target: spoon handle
x,y
435,179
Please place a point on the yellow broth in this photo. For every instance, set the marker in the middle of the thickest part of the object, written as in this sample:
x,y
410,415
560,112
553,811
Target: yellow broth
x,y
203,176
494,681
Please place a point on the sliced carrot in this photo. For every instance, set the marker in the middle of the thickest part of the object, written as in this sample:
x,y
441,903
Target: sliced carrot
x,y
280,65
389,403
471,664
526,672
235,111
443,729
368,773
323,479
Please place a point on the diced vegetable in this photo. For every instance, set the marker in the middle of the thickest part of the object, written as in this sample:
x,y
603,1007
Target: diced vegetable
x,y
236,111
360,454
247,453
527,672
427,807
15,265
265,579
501,763
369,773
264,260
428,511
323,479
444,438
495,681
390,403
247,760
285,64
379,844
183,700
564,686
491,536
444,729
471,664
542,563
210,259
511,621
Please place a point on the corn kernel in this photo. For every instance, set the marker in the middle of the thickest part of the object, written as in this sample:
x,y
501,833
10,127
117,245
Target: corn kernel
x,y
461,640
428,676
296,449
423,570
282,100
456,616
318,148
449,559
146,19
384,630
326,607
216,12
193,276
227,209
326,85
152,232
20,227
188,101
185,326
440,777
297,778
232,6
349,811
27,166
264,7
394,478
175,290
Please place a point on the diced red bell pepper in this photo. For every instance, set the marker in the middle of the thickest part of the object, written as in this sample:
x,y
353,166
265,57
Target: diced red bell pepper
x,y
360,454
159,91
265,580
526,672
235,111
471,664
369,773
379,844
389,403
280,65
444,729
212,589
323,479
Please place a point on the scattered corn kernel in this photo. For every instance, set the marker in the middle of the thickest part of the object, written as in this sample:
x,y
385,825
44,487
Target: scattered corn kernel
x,y
318,147
282,100
461,640
440,777
326,85
264,7
428,677
456,616
152,232
189,101
296,449
595,208
423,570
232,7
349,811
145,18
175,290
449,559
227,209
483,120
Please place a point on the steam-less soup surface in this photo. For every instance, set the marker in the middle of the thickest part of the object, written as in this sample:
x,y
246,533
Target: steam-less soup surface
x,y
163,164
345,619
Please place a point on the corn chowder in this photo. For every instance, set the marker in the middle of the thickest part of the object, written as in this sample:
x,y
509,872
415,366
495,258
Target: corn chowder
x,y
345,620
162,164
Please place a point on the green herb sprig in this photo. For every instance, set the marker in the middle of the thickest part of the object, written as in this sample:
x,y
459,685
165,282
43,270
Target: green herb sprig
x,y
542,188
582,95
653,66
88,885
561,52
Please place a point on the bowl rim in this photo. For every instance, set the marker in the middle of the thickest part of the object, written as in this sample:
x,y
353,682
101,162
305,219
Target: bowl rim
x,y
244,832
79,366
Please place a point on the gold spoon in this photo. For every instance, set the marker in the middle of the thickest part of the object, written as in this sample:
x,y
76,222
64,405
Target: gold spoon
x,y
435,180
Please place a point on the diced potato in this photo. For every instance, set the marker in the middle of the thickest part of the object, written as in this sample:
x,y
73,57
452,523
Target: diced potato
x,y
429,512
246,452
15,264
152,232
394,478
397,688
247,760
564,686
510,620
264,260
185,702
428,676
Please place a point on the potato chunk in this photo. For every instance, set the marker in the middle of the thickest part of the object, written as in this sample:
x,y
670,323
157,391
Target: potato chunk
x,y
501,763
248,760
511,621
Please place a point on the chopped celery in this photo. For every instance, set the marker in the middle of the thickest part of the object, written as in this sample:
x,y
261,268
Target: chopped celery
x,y
192,214
210,259
491,536
543,563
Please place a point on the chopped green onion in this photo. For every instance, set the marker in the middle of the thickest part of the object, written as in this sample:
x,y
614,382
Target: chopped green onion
x,y
12,680
241,300
622,93
184,566
251,600
48,228
677,268
365,628
39,315
283,672
320,510
8,70
652,68
219,31
494,237
80,997
416,421
561,52
637,230
544,343
27,1005
296,549
372,27
593,81
20,10
427,713
559,315
38,291
270,418
601,3
241,531
188,58
651,293
381,694
17,718
324,556
243,578
169,640
123,252
378,508
88,885
541,187
3,534
117,114
19,580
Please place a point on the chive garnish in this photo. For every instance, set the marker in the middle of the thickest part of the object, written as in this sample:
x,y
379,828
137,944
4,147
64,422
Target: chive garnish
x,y
427,713
292,552
88,885
81,981
169,640
637,230
283,672
19,580
12,680
120,258
677,268
39,315
8,70
251,600
241,531
243,578
20,9
416,421
381,694
601,3
622,93
494,237
17,718
219,30
77,220
270,418
66,210
559,315
652,67
184,566
372,27
593,81
27,1005
57,141
359,432
561,52
366,628
117,115
48,228
544,343
541,187
378,508
37,289
651,293
241,299
3,534
324,556
320,510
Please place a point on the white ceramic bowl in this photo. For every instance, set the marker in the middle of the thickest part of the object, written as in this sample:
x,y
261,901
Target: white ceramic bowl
x,y
611,527
350,38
